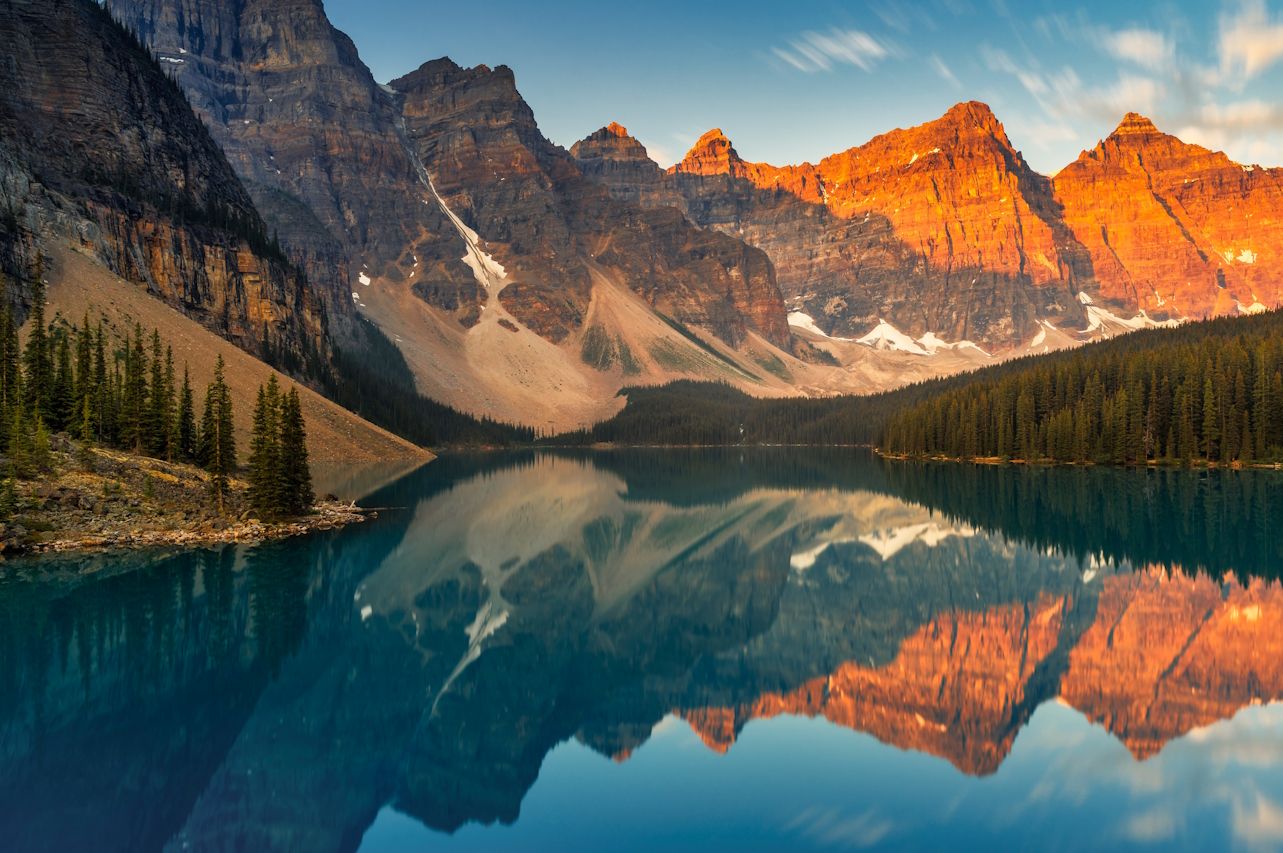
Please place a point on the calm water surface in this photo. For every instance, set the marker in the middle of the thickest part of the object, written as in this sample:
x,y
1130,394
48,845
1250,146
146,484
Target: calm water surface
x,y
671,650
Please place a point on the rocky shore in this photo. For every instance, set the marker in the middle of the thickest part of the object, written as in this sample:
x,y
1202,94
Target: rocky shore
x,y
96,499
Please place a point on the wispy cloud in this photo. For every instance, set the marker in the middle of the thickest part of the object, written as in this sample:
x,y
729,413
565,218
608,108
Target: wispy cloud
x,y
814,51
832,827
1250,41
1147,48
945,72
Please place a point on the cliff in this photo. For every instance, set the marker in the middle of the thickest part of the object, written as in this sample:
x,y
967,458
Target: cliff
x,y
116,162
1173,227
944,227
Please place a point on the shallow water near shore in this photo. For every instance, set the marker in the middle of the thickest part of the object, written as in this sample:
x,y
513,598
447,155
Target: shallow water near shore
x,y
760,649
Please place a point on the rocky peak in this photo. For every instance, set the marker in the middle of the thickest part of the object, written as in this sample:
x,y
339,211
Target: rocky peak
x,y
712,154
611,142
308,130
1135,135
1135,124
975,114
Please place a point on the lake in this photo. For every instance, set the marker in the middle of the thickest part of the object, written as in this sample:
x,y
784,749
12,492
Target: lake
x,y
755,650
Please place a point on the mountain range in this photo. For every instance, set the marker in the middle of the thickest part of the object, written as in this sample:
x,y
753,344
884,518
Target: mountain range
x,y
524,282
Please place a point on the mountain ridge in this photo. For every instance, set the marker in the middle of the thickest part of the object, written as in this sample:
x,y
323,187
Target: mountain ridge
x,y
955,192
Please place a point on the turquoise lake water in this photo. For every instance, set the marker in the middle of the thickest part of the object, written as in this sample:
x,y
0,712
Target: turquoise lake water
x,y
682,650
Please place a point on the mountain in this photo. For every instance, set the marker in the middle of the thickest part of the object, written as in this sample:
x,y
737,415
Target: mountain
x,y
943,230
512,284
1173,227
115,162
550,227
308,130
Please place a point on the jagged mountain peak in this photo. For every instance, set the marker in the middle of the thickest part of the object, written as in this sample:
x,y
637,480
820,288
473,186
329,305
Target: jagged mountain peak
x,y
966,120
435,71
975,113
1135,124
712,154
612,142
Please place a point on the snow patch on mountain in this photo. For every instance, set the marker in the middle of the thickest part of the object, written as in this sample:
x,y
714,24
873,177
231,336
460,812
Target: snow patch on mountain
x,y
804,321
1102,319
888,543
932,343
887,337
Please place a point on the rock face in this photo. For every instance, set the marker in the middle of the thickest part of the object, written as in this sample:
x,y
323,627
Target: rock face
x,y
954,690
1171,653
313,136
117,161
941,228
309,129
547,224
945,228
1174,227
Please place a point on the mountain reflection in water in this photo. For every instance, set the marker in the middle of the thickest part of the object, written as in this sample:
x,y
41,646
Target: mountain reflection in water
x,y
424,665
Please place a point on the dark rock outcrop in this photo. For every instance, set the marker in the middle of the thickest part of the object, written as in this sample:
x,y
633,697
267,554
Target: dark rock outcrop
x,y
100,147
314,137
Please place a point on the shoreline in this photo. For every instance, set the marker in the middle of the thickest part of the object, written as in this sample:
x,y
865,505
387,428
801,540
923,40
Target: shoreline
x,y
96,500
326,515
998,462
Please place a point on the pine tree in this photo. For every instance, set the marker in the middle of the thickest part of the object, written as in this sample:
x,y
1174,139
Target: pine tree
x,y
18,448
62,396
296,474
10,357
1211,421
266,486
217,433
37,358
133,427
84,363
186,421
102,392
156,415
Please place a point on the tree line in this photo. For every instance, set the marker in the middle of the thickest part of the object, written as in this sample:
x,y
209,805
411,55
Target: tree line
x,y
73,379
1208,393
280,483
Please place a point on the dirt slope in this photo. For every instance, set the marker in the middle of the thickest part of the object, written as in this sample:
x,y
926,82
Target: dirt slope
x,y
78,285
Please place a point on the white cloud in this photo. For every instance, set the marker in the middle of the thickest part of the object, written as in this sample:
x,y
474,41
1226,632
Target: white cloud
x,y
997,60
945,72
822,51
1243,115
1251,40
832,827
1131,94
1156,824
1147,48
1258,823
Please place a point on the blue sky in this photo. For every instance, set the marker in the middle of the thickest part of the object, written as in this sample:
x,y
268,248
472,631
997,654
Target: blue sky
x,y
795,81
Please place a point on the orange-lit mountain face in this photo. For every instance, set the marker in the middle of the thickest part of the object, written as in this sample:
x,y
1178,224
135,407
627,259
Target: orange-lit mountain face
x,y
955,690
1165,655
945,228
1174,227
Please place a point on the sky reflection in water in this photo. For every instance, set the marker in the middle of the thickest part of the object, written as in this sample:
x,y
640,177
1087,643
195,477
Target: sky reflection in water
x,y
800,649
